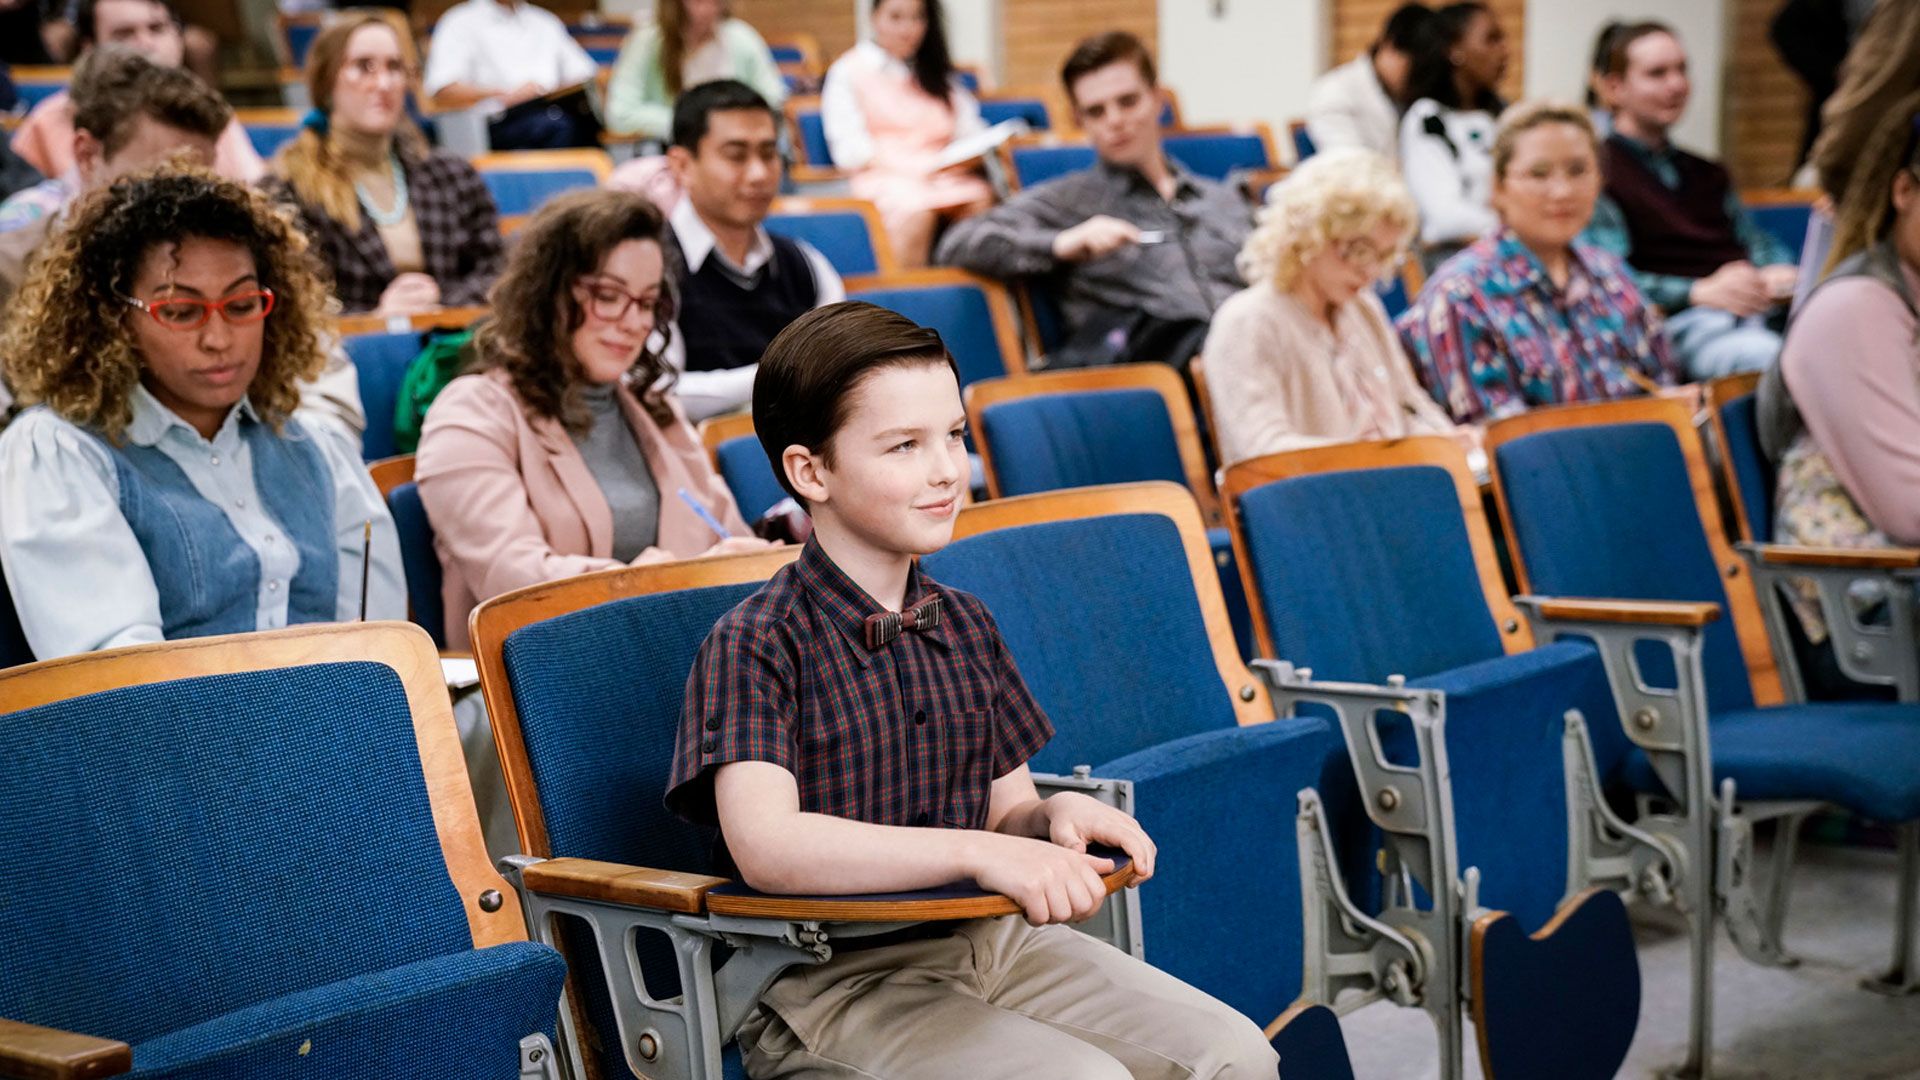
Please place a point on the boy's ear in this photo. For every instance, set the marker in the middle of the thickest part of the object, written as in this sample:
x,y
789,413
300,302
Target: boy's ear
x,y
806,472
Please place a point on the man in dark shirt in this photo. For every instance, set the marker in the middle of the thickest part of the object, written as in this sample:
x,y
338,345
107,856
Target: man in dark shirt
x,y
1135,235
738,284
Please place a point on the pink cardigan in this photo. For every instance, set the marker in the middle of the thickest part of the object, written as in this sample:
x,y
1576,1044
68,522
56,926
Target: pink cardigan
x,y
513,503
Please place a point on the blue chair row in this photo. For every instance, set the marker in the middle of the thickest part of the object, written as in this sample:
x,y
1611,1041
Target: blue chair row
x,y
36,84
847,231
1215,153
521,180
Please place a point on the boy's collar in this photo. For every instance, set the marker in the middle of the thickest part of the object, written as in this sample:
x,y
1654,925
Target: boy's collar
x,y
847,605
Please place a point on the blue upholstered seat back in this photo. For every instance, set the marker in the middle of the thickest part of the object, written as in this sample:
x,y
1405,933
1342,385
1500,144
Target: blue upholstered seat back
x,y
598,692
1787,222
1608,511
1031,109
1052,441
267,138
1217,155
1033,165
380,363
841,235
749,475
813,138
786,53
184,849
1303,147
419,560
1367,573
1751,469
299,41
522,191
961,315
1102,618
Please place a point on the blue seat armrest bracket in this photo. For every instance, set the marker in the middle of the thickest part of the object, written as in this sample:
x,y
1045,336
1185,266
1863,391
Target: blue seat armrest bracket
x,y
680,1039
1118,921
1883,655
1411,955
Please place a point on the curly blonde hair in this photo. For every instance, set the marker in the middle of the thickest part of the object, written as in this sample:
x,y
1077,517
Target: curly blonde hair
x,y
1335,195
67,342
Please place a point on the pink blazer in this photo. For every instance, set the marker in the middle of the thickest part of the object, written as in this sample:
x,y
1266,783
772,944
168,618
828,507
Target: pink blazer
x,y
513,503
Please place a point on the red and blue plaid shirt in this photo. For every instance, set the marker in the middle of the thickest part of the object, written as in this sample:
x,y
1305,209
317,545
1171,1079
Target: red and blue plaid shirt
x,y
912,733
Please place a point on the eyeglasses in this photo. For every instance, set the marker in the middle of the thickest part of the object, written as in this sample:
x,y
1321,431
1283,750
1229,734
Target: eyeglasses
x,y
1360,254
366,69
181,313
609,302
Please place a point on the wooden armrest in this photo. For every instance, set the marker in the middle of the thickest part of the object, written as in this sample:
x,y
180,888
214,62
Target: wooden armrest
x,y
1644,612
963,900
814,174
41,1053
1837,558
638,886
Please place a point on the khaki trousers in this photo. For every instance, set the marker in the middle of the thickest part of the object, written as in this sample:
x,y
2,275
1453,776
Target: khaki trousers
x,y
997,999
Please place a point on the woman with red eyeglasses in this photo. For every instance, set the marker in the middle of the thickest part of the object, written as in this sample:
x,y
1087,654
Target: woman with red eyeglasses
x,y
157,485
565,452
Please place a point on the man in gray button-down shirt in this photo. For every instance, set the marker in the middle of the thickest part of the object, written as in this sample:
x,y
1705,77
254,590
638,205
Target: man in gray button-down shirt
x,y
1136,232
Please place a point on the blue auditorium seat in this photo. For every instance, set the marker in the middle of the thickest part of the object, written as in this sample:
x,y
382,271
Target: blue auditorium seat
x,y
749,475
1033,110
421,562
973,316
380,360
846,231
521,180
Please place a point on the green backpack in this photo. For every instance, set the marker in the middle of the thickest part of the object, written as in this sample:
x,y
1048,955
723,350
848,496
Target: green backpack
x,y
445,355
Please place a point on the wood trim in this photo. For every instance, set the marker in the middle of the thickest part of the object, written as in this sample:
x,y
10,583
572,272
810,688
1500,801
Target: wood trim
x,y
1197,375
1721,392
1251,704
1779,196
1435,450
1158,378
390,473
33,1052
42,73
1840,558
401,646
999,303
716,430
268,116
456,318
494,619
1743,603
883,255
809,48
1632,612
634,886
982,905
598,162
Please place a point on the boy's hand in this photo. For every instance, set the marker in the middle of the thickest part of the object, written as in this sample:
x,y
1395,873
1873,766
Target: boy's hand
x,y
1075,820
1052,883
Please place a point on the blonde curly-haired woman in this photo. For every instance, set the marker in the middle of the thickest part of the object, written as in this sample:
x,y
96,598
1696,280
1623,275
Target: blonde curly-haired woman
x,y
157,485
1305,355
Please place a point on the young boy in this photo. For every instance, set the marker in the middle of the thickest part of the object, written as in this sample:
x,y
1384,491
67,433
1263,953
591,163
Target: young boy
x,y
854,727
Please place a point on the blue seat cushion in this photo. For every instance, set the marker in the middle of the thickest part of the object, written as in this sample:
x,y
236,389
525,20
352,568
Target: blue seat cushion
x,y
1864,756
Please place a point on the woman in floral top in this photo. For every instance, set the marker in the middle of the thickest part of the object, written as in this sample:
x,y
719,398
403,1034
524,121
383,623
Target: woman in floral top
x,y
1527,315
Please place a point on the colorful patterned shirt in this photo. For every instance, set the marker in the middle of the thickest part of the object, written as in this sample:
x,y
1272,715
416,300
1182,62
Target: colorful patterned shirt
x,y
48,198
911,733
1491,335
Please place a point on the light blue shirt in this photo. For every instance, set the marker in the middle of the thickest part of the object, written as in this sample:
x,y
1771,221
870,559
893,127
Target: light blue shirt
x,y
79,576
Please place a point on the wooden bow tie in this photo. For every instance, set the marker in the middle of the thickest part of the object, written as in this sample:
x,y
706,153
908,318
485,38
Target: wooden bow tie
x,y
884,627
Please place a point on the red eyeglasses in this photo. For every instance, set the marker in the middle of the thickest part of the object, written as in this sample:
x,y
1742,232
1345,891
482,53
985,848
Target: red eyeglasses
x,y
180,313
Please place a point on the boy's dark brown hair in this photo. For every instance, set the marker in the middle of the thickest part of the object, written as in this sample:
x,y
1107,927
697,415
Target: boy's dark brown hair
x,y
114,86
1100,50
804,388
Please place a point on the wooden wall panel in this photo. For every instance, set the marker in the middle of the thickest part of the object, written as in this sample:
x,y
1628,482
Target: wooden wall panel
x,y
1356,23
830,21
1039,33
1766,104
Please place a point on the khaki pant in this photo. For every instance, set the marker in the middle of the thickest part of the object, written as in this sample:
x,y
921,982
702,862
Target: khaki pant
x,y
997,998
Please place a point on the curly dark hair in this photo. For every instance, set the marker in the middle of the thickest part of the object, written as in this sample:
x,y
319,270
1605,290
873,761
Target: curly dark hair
x,y
66,342
535,313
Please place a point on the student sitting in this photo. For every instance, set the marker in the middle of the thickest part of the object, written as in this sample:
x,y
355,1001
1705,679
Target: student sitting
x,y
739,285
1447,133
404,228
838,758
158,486
1677,220
566,453
1305,355
1358,103
1529,315
507,52
1144,249
149,27
890,105
689,42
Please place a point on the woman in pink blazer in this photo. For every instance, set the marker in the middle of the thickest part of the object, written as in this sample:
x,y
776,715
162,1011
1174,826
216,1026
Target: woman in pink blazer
x,y
564,453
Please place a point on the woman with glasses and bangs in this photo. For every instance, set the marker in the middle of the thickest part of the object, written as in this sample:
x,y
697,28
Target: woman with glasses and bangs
x,y
566,452
1305,355
157,486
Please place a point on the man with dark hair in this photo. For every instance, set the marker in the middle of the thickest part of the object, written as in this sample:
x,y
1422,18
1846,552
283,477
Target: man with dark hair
x,y
149,27
1359,102
1143,249
739,285
1677,219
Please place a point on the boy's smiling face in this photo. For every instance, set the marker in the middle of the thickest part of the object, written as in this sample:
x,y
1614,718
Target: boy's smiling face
x,y
896,471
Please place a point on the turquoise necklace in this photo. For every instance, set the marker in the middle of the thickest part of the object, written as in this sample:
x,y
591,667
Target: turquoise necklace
x,y
387,219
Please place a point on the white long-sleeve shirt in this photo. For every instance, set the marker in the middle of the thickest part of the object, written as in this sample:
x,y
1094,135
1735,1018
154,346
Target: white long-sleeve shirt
x,y
1447,158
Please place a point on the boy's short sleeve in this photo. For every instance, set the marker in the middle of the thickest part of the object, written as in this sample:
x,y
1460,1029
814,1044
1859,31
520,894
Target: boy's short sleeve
x,y
740,705
1020,725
